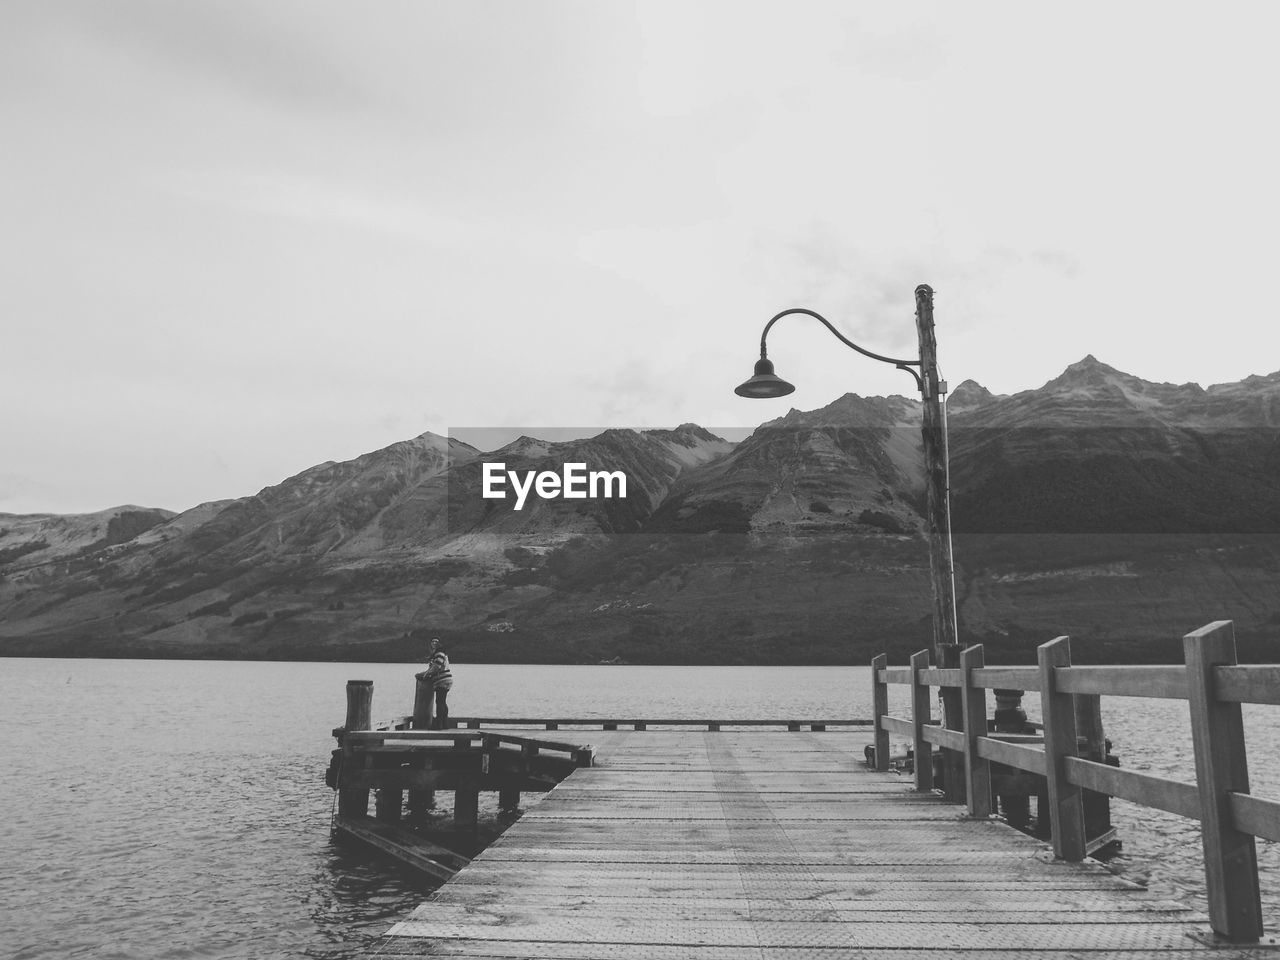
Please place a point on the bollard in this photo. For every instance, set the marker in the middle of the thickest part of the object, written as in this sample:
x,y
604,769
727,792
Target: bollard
x,y
354,802
420,801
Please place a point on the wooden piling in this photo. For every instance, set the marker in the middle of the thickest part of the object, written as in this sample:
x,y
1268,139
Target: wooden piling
x,y
423,702
359,705
1009,717
387,804
355,802
420,801
466,807
1093,746
1217,733
508,798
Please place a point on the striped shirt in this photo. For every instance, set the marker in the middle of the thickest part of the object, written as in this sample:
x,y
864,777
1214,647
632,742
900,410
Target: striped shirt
x,y
439,672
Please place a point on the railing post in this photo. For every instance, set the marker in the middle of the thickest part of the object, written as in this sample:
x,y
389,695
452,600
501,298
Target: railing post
x,y
953,788
880,707
977,772
920,706
1066,811
355,802
1217,732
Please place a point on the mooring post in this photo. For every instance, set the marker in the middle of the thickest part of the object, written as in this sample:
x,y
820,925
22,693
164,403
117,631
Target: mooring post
x,y
423,702
354,802
977,771
920,716
1222,768
420,801
1066,812
879,708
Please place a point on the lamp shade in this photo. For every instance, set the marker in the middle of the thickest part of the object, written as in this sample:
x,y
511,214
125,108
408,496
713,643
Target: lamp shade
x,y
764,383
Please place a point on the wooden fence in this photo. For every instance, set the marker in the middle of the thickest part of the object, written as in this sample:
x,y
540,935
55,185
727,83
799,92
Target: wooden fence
x,y
1213,683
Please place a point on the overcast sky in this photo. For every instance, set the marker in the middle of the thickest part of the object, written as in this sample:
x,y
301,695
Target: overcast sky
x,y
241,238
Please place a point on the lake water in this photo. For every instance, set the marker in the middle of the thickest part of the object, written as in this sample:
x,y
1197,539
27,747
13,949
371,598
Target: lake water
x,y
175,809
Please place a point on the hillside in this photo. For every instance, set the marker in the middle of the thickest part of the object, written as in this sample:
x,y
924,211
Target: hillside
x,y
1100,505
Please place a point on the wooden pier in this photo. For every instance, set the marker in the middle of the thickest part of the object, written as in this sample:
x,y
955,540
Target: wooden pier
x,y
764,842
753,844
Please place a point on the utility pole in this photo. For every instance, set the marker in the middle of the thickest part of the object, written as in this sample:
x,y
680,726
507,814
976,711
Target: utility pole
x,y
946,647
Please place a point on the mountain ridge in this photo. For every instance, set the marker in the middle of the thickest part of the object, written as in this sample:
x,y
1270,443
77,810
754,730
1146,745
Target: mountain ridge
x,y
802,532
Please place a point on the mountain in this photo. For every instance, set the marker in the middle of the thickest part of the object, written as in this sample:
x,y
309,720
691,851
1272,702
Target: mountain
x,y
1120,511
1099,451
32,540
818,470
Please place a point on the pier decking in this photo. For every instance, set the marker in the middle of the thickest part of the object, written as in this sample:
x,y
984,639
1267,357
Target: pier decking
x,y
755,844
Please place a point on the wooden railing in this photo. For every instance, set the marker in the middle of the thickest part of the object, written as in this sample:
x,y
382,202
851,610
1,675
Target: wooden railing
x,y
1210,680
400,754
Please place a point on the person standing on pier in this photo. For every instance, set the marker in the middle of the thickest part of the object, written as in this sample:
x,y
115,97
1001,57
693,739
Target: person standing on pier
x,y
441,677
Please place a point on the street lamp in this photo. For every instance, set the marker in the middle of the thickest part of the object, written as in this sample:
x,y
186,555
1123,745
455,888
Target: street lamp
x,y
764,383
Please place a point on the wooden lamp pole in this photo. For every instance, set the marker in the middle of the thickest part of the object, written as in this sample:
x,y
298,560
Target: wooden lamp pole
x,y
946,646
945,649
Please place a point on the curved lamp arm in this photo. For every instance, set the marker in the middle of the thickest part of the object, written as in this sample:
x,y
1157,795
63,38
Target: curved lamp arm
x,y
900,364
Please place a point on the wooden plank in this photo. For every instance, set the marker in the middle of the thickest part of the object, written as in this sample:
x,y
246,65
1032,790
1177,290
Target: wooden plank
x,y
403,845
751,845
615,722
942,677
393,723
1012,754
895,675
1247,683
1007,678
1160,793
1166,682
540,743
1255,815
452,736
950,739
898,726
